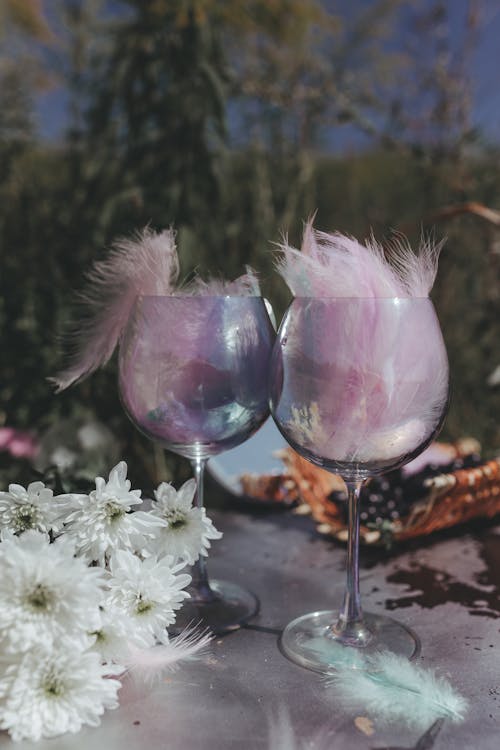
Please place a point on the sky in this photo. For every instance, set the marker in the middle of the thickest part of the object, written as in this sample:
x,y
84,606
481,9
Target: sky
x,y
51,107
486,73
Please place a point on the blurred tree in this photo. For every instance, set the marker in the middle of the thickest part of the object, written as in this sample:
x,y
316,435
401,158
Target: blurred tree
x,y
168,73
25,16
16,122
155,126
301,72
22,24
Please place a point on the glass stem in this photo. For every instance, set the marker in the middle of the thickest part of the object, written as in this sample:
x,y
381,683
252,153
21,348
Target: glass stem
x,y
200,587
350,628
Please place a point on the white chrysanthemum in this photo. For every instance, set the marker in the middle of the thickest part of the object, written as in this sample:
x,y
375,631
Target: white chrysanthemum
x,y
101,523
147,593
46,594
188,531
32,508
110,639
53,691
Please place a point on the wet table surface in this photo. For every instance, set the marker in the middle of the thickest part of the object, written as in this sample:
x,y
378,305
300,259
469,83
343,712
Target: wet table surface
x,y
245,694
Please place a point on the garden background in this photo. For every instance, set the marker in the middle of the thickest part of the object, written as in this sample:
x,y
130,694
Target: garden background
x,y
233,122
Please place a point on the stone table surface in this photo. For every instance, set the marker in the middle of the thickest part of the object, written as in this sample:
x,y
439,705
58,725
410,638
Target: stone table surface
x,y
245,694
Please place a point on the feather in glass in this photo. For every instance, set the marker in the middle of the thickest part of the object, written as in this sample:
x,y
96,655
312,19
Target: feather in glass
x,y
145,265
386,387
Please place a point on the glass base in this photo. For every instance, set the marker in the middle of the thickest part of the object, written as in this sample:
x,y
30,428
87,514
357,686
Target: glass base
x,y
311,642
221,607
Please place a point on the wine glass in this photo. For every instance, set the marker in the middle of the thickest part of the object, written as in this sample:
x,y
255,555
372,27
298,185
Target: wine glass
x,y
358,387
193,376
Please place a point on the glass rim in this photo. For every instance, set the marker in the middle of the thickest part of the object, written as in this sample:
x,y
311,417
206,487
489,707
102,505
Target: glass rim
x,y
199,296
332,298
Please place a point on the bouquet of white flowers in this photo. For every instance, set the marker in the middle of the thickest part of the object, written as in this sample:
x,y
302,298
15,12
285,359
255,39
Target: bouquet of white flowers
x,y
88,586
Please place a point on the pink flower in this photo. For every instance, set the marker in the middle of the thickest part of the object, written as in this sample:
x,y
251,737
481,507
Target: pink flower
x,y
19,444
6,435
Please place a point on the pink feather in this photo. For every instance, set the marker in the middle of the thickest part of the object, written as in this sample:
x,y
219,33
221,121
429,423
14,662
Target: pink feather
x,y
145,264
246,285
380,379
334,265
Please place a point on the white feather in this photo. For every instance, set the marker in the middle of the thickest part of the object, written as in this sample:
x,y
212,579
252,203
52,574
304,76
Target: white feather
x,y
392,689
281,732
282,736
149,665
